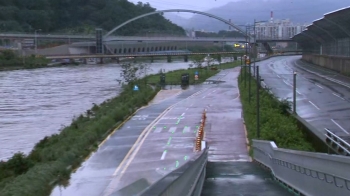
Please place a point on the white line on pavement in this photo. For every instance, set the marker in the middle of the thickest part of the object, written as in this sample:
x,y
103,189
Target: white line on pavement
x,y
186,109
298,92
278,76
172,129
158,130
338,96
339,126
163,155
203,97
314,105
182,114
319,86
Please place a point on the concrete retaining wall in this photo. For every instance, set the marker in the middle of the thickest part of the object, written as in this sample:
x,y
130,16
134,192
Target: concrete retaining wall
x,y
336,63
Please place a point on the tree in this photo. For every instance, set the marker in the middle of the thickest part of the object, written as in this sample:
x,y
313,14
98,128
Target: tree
x,y
129,72
143,70
197,61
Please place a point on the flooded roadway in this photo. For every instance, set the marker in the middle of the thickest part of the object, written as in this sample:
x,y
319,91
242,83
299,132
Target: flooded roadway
x,y
39,102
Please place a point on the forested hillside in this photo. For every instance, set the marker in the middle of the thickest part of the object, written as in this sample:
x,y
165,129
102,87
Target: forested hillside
x,y
80,16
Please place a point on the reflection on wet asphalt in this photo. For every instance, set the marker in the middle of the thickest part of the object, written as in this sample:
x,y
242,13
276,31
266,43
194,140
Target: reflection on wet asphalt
x,y
37,103
323,96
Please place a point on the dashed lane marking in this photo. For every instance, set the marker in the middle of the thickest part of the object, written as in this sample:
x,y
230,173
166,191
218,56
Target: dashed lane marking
x,y
314,105
339,126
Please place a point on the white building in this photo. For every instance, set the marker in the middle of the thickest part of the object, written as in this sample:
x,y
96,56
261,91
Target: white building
x,y
278,29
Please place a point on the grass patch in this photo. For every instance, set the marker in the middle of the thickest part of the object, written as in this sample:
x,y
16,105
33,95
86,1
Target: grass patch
x,y
53,159
174,77
276,124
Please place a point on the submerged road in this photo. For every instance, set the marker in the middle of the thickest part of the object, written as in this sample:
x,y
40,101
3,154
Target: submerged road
x,y
323,95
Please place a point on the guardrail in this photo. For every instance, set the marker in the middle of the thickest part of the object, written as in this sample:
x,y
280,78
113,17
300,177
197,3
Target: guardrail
x,y
336,143
307,173
185,181
76,56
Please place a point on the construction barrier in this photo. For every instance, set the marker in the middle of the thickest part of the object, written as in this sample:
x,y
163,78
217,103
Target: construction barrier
x,y
200,133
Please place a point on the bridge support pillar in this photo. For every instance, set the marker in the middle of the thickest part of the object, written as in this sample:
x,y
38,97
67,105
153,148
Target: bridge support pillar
x,y
84,61
117,59
152,59
169,59
101,60
186,58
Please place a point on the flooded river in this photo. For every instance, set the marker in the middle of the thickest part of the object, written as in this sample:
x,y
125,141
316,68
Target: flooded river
x,y
37,103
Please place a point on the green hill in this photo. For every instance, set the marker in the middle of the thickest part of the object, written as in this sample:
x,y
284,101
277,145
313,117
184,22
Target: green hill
x,y
81,16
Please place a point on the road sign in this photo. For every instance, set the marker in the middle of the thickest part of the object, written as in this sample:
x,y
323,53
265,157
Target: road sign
x,y
136,88
196,73
195,77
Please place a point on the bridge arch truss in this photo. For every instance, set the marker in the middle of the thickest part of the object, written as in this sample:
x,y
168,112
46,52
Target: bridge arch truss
x,y
176,10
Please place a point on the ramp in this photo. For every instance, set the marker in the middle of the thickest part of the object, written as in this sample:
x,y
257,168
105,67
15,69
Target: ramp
x,y
240,178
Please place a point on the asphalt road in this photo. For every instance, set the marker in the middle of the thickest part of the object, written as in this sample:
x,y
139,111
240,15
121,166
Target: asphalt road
x,y
323,96
166,136
160,138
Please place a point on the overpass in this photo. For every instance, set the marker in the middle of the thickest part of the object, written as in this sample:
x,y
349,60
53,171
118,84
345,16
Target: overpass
x,y
150,54
133,38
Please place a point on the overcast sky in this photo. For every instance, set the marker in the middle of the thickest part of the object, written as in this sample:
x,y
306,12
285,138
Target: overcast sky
x,y
199,5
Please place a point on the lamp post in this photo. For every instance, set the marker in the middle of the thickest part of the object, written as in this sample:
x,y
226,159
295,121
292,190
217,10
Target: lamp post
x,y
36,40
255,42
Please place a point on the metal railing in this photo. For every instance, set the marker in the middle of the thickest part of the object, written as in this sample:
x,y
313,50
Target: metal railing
x,y
337,144
185,181
307,173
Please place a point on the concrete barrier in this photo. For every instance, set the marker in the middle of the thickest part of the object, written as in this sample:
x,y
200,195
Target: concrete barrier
x,y
336,63
306,173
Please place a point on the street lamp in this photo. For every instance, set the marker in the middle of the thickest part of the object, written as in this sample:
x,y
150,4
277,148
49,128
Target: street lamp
x,y
35,40
255,42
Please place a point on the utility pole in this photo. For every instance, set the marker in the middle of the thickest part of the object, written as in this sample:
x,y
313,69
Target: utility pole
x,y
254,47
245,59
294,93
257,102
36,40
250,72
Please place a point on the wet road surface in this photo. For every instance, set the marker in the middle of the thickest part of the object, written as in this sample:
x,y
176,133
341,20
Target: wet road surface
x,y
39,102
240,178
323,96
99,173
160,138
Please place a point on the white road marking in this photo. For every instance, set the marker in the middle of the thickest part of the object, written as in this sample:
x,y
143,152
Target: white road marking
x,y
214,91
163,155
203,97
298,92
278,76
186,109
338,96
191,105
172,129
182,114
314,105
158,130
186,129
339,126
287,83
319,86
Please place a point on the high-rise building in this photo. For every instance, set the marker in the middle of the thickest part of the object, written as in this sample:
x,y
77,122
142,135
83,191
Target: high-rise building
x,y
277,29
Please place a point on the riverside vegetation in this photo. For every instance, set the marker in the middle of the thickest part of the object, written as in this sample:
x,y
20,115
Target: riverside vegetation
x,y
55,157
9,60
276,124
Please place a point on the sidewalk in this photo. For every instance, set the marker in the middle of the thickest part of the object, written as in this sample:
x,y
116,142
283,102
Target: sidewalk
x,y
169,140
